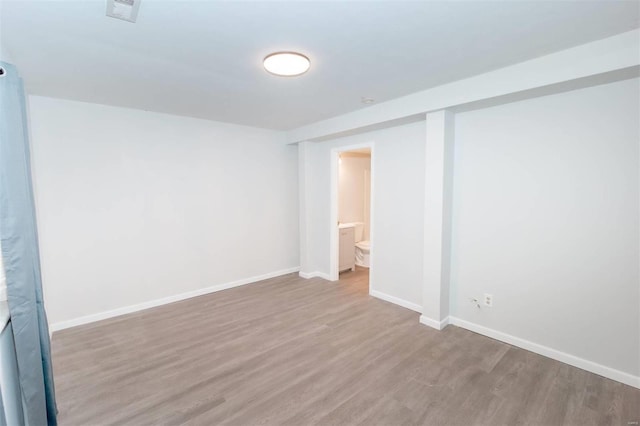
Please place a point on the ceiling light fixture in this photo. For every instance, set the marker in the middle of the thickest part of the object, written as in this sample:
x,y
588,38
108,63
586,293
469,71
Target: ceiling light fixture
x,y
286,64
367,101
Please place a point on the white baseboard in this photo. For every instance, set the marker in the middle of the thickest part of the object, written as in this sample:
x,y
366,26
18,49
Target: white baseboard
x,y
575,361
61,325
388,298
438,325
307,275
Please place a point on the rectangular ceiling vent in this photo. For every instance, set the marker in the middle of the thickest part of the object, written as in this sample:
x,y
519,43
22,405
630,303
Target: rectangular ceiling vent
x,y
127,10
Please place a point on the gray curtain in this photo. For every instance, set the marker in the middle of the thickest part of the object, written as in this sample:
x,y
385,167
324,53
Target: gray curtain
x,y
21,257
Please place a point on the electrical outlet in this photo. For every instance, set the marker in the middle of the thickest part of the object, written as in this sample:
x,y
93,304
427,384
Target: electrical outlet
x,y
488,300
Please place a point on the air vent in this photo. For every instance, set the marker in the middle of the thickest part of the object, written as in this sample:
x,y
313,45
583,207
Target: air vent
x,y
127,10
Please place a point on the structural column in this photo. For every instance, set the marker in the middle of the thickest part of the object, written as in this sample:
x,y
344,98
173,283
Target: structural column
x,y
302,207
437,218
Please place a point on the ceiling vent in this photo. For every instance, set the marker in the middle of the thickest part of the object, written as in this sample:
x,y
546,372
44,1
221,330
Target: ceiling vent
x,y
127,10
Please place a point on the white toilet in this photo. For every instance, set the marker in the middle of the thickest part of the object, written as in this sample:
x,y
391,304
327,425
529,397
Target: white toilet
x,y
362,246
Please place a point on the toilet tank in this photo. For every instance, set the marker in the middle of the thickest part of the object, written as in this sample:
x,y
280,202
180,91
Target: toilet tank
x,y
359,231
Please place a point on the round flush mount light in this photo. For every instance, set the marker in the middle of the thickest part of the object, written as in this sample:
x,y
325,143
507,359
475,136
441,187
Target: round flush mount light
x,y
286,64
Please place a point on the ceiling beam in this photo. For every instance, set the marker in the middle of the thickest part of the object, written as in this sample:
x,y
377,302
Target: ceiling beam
x,y
593,63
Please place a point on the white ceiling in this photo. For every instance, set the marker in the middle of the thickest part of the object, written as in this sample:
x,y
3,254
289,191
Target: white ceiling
x,y
204,58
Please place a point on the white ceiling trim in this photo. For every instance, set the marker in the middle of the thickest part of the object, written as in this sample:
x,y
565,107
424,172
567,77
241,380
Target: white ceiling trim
x,y
602,57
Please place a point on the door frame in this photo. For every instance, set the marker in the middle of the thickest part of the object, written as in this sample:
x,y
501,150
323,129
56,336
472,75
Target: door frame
x,y
334,240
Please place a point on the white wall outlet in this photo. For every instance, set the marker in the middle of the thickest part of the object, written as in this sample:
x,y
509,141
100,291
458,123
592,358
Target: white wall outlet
x,y
488,300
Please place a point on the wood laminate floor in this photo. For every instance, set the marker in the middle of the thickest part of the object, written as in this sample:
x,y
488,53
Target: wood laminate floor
x,y
290,351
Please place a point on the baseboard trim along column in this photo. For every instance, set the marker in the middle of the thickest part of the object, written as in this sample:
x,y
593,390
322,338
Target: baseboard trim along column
x,y
61,325
438,325
316,274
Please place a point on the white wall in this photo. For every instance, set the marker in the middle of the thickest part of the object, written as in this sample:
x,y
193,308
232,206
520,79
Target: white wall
x,y
546,219
398,203
134,206
351,189
5,55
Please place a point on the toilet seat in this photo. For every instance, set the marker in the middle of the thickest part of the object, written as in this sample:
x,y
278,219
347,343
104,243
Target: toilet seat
x,y
362,253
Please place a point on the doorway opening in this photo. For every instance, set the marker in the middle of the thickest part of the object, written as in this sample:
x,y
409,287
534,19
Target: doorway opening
x,y
351,214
